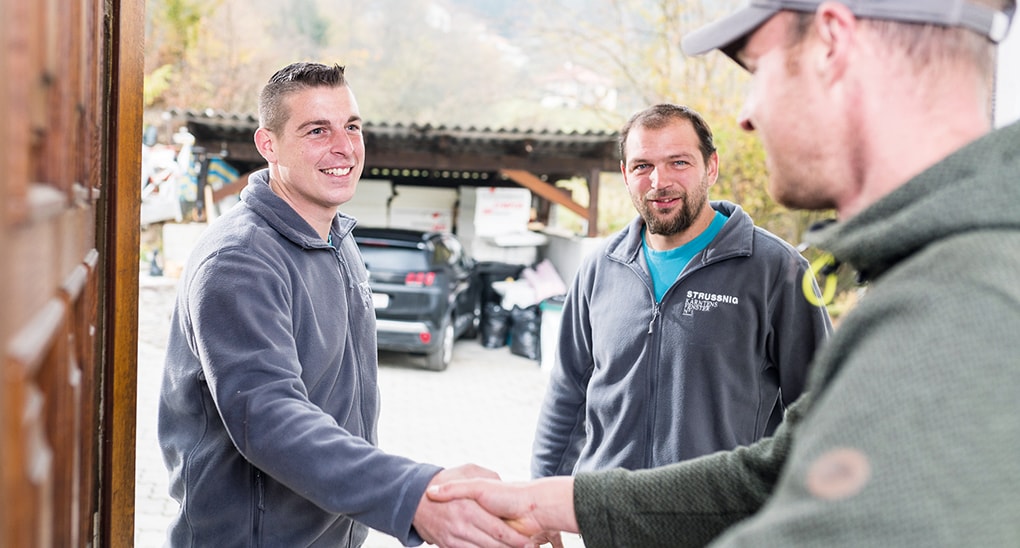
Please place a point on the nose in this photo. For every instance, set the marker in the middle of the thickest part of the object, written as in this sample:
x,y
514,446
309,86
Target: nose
x,y
654,178
342,144
744,118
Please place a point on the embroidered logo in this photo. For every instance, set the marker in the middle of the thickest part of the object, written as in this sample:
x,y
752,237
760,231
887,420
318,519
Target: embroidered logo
x,y
703,302
367,297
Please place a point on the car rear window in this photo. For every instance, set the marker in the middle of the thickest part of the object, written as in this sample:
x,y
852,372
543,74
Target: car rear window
x,y
393,258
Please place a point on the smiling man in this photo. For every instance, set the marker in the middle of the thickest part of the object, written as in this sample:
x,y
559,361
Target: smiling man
x,y
687,332
269,402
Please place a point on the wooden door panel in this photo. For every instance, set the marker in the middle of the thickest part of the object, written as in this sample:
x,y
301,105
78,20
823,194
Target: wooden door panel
x,y
34,358
69,242
49,397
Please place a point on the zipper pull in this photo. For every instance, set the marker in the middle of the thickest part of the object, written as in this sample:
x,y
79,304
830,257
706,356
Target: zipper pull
x,y
655,314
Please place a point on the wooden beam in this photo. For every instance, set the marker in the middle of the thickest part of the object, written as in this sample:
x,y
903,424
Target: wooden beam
x,y
545,190
593,202
415,159
120,292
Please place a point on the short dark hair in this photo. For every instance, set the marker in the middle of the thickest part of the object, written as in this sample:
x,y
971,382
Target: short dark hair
x,y
658,116
295,77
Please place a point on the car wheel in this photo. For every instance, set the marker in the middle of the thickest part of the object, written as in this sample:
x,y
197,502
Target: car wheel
x,y
439,358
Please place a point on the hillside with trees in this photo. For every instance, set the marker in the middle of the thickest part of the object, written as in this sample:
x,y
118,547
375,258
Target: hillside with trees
x,y
569,65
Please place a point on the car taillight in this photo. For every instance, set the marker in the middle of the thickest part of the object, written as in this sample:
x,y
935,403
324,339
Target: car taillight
x,y
425,337
420,278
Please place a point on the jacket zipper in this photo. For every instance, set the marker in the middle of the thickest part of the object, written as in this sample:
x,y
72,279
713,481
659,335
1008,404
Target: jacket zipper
x,y
347,278
258,510
654,366
655,316
653,373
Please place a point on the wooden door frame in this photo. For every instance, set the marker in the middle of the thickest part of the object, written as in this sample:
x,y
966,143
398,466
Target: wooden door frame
x,y
119,231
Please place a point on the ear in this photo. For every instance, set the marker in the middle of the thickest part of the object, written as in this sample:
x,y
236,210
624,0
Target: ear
x,y
835,27
265,143
623,171
712,168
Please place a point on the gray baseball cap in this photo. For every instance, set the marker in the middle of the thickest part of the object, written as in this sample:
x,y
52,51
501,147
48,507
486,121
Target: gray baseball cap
x,y
728,30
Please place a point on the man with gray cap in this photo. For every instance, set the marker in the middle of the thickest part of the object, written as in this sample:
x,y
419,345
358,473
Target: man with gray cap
x,y
908,434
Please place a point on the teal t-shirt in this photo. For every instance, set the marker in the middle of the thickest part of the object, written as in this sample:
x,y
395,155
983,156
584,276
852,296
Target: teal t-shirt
x,y
666,266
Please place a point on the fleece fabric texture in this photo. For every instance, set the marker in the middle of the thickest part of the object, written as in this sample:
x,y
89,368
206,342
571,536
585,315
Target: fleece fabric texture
x,y
909,432
269,402
640,383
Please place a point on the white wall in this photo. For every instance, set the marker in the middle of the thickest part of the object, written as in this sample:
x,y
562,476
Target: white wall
x,y
565,252
1007,97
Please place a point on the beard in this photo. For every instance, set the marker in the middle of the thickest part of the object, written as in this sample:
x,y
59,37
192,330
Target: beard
x,y
677,219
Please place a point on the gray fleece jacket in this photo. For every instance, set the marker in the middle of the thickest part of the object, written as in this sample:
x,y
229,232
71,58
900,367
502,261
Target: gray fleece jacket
x,y
713,365
909,432
269,402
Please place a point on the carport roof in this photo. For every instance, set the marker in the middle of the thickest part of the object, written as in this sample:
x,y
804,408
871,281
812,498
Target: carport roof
x,y
550,155
430,155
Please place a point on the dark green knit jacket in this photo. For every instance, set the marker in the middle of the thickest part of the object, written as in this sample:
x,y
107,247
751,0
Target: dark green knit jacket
x,y
909,434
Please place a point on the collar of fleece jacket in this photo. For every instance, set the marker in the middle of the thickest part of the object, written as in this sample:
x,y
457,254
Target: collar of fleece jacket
x,y
959,194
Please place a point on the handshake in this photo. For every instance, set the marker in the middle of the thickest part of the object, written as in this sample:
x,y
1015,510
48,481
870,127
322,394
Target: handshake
x,y
470,506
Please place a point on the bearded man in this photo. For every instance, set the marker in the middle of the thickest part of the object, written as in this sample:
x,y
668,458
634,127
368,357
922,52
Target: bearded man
x,y
687,332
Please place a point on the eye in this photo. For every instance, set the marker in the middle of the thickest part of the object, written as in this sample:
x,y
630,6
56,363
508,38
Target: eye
x,y
354,128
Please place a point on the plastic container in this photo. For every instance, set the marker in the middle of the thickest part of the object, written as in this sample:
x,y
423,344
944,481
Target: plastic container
x,y
552,314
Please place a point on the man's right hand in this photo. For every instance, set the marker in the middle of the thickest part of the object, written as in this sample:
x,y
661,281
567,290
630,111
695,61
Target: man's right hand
x,y
463,522
539,509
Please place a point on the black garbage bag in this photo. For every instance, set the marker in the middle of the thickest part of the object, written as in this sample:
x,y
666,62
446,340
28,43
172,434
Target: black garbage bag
x,y
489,272
526,332
495,325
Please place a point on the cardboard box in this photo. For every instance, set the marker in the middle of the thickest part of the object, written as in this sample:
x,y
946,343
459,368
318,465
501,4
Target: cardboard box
x,y
500,210
423,208
420,218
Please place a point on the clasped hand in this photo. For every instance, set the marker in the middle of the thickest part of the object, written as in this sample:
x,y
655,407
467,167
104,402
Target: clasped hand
x,y
536,511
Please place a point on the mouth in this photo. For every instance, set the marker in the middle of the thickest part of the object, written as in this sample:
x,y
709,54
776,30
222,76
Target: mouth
x,y
663,202
336,171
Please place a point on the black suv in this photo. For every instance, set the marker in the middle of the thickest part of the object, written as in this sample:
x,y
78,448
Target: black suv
x,y
424,288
